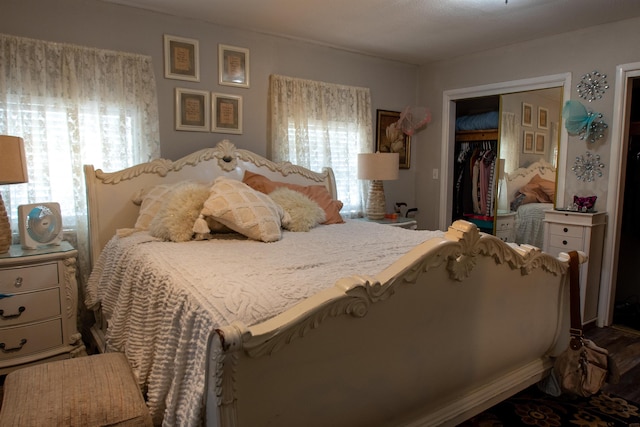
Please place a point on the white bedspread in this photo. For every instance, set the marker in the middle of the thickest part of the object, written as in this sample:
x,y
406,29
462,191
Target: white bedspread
x,y
530,223
164,299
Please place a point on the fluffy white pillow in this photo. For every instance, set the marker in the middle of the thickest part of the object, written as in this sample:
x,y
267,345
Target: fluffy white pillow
x,y
153,201
174,221
244,210
305,213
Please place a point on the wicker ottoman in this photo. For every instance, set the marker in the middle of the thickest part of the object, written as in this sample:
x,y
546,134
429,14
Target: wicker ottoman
x,y
97,390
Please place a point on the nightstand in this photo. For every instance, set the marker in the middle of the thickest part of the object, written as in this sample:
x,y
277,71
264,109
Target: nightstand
x,y
568,230
506,226
39,306
401,222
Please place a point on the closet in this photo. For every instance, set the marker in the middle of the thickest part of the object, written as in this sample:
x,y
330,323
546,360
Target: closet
x,y
475,176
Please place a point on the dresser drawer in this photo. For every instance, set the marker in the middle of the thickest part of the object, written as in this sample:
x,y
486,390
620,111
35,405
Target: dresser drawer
x,y
23,279
567,243
29,307
22,341
566,230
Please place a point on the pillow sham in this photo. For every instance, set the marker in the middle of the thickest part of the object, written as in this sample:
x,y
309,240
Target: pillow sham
x,y
175,219
304,212
538,190
244,210
317,193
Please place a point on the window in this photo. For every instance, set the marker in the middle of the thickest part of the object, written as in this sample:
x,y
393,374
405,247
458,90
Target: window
x,y
317,125
73,106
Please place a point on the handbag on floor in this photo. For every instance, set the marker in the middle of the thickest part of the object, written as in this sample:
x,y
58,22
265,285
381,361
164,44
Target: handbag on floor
x,y
583,368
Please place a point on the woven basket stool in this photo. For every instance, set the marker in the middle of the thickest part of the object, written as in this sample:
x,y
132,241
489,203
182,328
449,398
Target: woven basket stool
x,y
98,390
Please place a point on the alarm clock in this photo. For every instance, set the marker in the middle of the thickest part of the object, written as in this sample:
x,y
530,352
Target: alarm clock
x,y
40,224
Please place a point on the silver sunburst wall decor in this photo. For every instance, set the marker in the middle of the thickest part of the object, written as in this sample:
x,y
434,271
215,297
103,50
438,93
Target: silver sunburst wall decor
x,y
592,86
588,167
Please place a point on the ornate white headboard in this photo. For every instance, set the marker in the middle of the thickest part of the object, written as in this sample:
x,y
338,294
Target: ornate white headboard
x,y
110,195
521,176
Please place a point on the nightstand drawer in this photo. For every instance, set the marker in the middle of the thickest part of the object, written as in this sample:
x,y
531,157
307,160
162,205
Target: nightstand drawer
x,y
567,243
29,307
566,230
26,340
23,279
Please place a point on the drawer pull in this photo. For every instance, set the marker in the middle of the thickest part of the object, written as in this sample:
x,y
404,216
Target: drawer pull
x,y
21,309
565,229
564,242
23,341
18,282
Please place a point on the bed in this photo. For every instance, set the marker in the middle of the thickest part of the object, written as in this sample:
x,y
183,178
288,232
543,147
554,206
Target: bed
x,y
422,328
531,191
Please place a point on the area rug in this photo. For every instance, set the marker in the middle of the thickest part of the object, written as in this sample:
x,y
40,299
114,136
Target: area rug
x,y
532,407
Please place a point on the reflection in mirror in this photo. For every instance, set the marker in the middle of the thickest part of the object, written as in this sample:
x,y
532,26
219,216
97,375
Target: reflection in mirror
x,y
529,137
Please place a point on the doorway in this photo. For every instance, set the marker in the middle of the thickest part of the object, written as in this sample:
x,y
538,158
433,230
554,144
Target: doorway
x,y
627,290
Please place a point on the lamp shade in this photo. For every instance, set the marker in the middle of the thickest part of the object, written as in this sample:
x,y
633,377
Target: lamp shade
x,y
13,162
378,166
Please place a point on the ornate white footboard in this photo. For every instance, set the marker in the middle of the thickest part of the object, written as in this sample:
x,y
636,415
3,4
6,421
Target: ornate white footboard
x,y
453,327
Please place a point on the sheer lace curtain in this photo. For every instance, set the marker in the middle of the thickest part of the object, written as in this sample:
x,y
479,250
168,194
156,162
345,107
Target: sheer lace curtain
x,y
73,106
510,145
316,124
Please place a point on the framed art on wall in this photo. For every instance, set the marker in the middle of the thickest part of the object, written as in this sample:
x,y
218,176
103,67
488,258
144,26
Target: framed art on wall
x,y
181,58
390,139
540,143
527,114
192,110
227,113
528,142
233,66
543,118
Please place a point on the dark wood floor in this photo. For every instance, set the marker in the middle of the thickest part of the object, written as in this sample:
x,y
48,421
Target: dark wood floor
x,y
623,344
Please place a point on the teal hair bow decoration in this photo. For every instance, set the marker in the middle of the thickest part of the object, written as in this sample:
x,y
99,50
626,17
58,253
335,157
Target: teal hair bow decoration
x,y
579,121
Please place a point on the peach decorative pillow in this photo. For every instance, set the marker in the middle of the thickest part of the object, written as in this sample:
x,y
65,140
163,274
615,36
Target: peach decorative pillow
x,y
317,193
244,210
538,190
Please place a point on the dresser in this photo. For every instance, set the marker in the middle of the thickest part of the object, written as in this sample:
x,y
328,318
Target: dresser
x,y
506,226
567,230
38,306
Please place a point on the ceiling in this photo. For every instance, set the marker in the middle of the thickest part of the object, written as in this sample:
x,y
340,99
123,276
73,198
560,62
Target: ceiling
x,y
412,31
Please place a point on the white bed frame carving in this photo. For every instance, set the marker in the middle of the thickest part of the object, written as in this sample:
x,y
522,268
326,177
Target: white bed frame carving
x,y
454,326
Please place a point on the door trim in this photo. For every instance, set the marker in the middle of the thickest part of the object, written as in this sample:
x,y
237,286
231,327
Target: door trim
x,y
615,199
448,131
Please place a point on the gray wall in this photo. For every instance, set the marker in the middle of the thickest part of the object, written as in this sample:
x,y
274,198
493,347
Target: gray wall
x,y
109,26
599,48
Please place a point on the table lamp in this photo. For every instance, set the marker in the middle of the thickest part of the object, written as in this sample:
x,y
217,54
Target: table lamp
x,y
377,167
13,170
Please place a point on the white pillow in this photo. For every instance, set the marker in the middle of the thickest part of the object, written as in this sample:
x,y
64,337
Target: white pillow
x,y
245,210
305,213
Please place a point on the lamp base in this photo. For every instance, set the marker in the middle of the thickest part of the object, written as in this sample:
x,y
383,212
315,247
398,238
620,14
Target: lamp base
x,y
5,229
375,201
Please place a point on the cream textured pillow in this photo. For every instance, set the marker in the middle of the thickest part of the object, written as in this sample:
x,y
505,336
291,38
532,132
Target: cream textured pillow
x,y
245,210
305,213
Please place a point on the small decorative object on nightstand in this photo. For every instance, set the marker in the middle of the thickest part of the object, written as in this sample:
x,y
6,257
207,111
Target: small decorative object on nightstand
x,y
506,226
38,306
570,230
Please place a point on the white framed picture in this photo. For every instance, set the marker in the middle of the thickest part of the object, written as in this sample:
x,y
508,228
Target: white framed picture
x,y
226,113
181,58
192,110
233,66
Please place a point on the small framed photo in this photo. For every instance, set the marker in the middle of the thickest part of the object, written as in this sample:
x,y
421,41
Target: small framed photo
x,y
391,140
192,110
540,143
528,142
543,118
181,58
233,66
527,114
227,113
